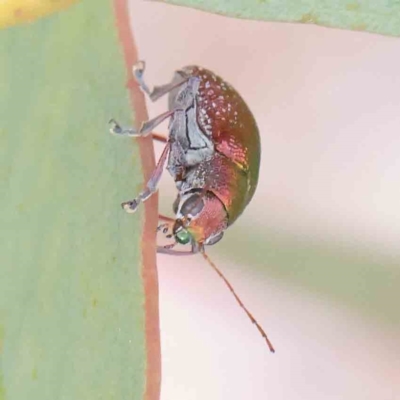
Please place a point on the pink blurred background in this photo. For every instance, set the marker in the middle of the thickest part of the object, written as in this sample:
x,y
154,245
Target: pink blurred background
x,y
327,103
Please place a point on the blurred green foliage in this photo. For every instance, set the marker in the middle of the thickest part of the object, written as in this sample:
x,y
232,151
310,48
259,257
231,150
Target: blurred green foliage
x,y
354,276
361,15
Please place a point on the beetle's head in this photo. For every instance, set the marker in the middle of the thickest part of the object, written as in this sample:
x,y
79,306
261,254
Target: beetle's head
x,y
201,219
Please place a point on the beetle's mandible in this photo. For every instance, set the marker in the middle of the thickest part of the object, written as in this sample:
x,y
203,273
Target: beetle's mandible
x,y
212,152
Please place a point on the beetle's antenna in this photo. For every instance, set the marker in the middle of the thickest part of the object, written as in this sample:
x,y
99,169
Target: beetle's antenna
x,y
252,319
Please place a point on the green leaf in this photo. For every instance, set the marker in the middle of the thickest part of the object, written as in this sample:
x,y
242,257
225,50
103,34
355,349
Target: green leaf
x,y
71,293
363,15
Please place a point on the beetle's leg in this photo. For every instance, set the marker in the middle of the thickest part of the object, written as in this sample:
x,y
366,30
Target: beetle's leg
x,y
166,226
158,91
165,218
172,252
151,186
168,249
159,138
145,128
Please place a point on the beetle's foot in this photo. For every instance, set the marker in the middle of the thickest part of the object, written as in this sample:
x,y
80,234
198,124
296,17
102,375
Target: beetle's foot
x,y
115,127
130,206
138,69
163,227
145,129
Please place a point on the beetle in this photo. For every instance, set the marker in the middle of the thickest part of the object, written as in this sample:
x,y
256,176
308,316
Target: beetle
x,y
212,152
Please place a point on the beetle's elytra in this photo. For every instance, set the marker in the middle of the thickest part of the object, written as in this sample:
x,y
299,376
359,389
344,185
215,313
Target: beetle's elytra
x,y
212,152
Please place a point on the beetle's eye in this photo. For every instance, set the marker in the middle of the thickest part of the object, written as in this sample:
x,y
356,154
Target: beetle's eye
x,y
183,236
192,206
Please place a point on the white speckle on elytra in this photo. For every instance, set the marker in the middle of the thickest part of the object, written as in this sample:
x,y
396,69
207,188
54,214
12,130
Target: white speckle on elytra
x,y
224,110
214,105
217,113
221,97
207,84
